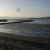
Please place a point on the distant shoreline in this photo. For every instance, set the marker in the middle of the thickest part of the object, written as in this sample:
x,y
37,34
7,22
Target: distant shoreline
x,y
23,17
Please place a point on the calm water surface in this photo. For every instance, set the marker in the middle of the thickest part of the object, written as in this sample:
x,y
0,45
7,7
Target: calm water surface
x,y
40,30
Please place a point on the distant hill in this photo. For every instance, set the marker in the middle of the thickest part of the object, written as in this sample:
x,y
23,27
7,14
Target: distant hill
x,y
41,18
47,17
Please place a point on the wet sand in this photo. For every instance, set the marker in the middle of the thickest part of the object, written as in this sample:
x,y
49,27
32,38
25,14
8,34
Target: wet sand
x,y
22,42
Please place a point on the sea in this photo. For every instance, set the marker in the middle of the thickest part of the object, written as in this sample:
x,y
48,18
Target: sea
x,y
39,27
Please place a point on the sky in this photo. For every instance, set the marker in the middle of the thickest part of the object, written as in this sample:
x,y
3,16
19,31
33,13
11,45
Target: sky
x,y
28,8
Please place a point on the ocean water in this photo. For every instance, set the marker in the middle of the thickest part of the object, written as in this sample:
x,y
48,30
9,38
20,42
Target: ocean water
x,y
38,28
41,21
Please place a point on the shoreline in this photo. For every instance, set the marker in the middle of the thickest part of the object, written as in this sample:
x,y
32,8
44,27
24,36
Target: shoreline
x,y
4,23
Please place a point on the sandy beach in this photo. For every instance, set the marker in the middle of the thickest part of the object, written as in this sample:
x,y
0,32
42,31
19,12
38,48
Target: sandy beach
x,y
22,42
